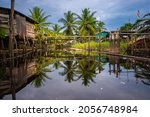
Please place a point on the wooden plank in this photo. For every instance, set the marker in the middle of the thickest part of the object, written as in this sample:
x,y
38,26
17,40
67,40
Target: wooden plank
x,y
4,16
4,26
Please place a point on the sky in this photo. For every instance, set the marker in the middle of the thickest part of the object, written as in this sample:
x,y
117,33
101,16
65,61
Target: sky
x,y
114,13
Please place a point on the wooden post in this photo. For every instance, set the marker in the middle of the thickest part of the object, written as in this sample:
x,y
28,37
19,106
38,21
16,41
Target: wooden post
x,y
89,46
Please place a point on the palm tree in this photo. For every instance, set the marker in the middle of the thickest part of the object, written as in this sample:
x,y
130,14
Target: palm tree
x,y
40,17
56,28
143,24
100,26
42,25
69,23
86,22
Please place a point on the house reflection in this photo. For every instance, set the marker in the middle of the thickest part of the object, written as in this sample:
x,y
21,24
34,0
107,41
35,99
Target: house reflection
x,y
114,65
20,77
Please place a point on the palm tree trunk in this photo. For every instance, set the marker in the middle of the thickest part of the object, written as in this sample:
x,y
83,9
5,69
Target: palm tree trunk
x,y
11,47
11,28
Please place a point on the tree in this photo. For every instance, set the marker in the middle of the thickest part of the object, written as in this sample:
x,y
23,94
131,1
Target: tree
x,y
100,26
86,22
126,27
69,23
42,25
143,24
56,28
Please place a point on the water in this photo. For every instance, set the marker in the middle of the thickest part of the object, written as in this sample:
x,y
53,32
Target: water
x,y
76,76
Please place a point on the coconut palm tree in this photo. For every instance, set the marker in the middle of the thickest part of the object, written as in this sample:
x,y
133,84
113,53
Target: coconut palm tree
x,y
56,28
143,24
42,25
86,22
40,17
69,23
100,26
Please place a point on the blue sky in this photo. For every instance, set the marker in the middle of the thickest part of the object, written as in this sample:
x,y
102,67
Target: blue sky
x,y
113,13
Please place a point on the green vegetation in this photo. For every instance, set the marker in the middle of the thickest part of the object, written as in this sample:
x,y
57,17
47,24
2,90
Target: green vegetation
x,y
104,46
100,26
69,23
2,33
42,25
86,22
123,47
143,24
126,27
93,45
56,28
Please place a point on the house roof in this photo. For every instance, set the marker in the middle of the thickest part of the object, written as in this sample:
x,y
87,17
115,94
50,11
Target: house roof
x,y
17,12
102,34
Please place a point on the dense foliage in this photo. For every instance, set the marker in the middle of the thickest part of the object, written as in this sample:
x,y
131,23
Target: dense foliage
x,y
143,24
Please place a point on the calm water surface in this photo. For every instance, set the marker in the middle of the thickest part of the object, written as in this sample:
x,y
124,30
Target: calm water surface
x,y
77,77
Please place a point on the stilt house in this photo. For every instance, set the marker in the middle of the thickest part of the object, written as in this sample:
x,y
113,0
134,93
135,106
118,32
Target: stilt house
x,y
23,26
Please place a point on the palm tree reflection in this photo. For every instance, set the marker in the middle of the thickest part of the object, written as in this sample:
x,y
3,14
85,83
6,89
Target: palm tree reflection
x,y
69,70
56,64
41,72
86,71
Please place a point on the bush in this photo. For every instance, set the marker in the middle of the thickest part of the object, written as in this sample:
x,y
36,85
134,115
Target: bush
x,y
2,33
93,45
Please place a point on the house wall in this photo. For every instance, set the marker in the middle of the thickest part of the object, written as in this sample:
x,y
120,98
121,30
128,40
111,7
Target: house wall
x,y
22,27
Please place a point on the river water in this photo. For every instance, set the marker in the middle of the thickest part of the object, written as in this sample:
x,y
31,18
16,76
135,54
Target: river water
x,y
67,76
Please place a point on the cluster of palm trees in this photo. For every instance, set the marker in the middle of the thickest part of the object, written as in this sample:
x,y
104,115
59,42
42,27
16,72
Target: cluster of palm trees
x,y
73,24
83,25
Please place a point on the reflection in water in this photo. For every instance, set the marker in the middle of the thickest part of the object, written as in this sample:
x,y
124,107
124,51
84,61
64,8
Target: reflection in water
x,y
114,65
99,73
16,77
41,71
86,71
69,70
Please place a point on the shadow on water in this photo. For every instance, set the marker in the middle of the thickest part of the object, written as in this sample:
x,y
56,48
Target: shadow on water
x,y
39,71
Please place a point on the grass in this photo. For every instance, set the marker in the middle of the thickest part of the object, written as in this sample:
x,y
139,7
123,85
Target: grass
x,y
104,46
93,45
123,47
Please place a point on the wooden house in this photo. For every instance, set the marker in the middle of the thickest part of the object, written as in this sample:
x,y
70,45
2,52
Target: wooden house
x,y
23,25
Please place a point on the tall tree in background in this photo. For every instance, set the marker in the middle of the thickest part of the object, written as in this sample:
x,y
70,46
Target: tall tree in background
x,y
126,27
86,22
41,18
56,28
69,23
143,24
100,26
